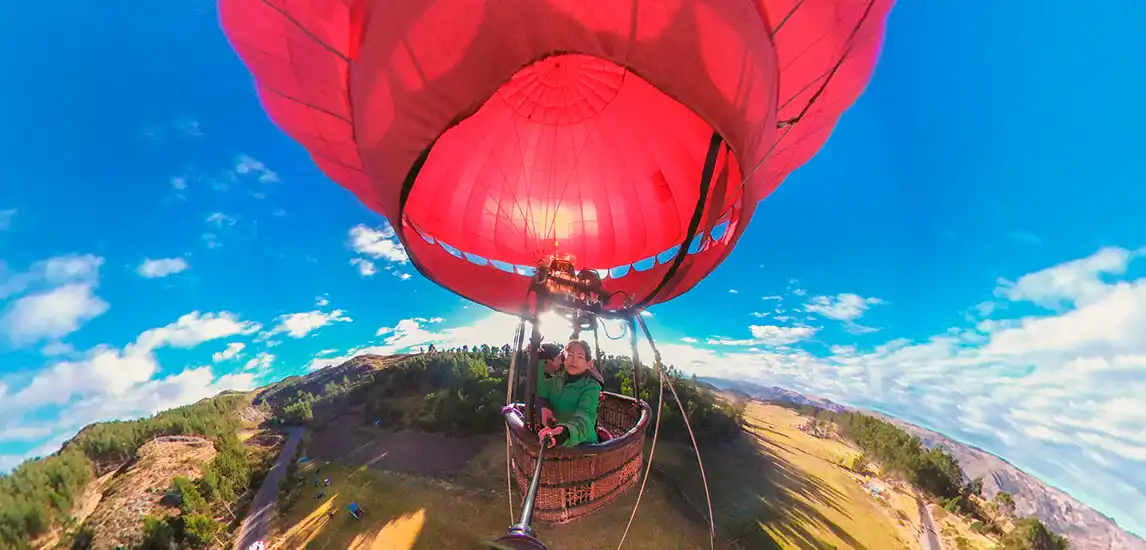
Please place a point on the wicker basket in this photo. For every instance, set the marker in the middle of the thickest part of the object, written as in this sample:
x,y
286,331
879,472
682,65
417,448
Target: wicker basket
x,y
578,481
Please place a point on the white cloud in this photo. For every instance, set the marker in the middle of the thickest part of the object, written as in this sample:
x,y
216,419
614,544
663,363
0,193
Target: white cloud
x,y
188,127
193,329
51,314
774,335
221,220
245,165
297,325
6,217
1078,282
152,269
109,383
109,371
366,268
843,307
321,301
230,352
49,273
260,362
23,433
56,348
1025,237
733,291
179,183
379,244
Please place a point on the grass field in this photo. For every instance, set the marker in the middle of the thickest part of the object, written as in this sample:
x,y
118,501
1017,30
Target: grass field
x,y
403,512
777,488
783,488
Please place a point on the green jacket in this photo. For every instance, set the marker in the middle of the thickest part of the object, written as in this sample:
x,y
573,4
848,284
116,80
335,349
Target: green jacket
x,y
573,400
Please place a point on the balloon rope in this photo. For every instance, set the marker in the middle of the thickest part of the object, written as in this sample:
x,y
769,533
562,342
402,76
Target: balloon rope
x,y
787,125
691,435
652,449
517,339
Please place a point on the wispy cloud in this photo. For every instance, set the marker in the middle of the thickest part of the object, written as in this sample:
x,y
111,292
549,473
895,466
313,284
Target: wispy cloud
x,y
377,245
6,217
188,127
232,351
109,382
248,165
153,269
56,297
298,325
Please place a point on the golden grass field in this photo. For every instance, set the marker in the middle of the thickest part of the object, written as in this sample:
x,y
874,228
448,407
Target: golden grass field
x,y
790,486
952,528
403,512
778,488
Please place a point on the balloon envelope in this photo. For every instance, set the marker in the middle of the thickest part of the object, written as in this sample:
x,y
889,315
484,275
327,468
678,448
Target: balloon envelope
x,y
496,133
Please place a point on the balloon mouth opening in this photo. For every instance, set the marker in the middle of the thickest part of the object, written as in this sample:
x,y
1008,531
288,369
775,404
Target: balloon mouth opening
x,y
574,155
719,237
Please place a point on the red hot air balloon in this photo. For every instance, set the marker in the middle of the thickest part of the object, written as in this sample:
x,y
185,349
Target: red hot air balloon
x,y
633,138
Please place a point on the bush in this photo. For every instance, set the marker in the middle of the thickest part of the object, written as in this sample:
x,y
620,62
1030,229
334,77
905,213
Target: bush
x,y
199,530
1031,534
157,534
190,501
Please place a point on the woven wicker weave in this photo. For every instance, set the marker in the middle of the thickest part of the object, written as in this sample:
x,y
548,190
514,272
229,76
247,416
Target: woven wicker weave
x,y
578,481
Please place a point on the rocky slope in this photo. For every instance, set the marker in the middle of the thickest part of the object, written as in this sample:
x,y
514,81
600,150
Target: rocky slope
x,y
1086,528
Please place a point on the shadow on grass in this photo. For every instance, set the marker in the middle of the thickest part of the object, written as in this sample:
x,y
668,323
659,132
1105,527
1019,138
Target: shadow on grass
x,y
349,442
397,514
760,497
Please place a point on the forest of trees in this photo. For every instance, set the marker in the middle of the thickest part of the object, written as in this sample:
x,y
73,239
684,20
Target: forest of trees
x,y
39,494
461,392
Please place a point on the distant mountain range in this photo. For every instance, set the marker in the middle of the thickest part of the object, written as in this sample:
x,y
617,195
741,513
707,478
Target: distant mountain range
x,y
774,393
1086,528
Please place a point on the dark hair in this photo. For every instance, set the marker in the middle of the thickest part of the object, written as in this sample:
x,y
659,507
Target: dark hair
x,y
584,346
549,351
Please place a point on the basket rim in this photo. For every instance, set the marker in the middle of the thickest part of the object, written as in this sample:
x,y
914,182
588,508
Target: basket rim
x,y
515,423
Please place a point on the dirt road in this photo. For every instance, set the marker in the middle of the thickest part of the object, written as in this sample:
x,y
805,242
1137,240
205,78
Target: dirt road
x,y
928,539
254,526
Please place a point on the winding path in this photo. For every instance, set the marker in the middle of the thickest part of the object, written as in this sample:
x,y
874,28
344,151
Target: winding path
x,y
254,526
928,539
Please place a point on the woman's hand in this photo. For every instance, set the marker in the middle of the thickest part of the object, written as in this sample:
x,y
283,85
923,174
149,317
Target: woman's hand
x,y
547,417
550,434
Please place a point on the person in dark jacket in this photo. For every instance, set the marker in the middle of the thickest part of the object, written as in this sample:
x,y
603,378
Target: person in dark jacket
x,y
569,399
552,359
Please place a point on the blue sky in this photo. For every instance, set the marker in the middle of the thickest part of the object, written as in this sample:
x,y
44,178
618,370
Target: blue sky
x,y
964,253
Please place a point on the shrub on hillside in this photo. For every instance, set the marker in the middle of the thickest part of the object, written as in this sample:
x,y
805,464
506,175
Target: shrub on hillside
x,y
157,534
188,497
1031,534
199,530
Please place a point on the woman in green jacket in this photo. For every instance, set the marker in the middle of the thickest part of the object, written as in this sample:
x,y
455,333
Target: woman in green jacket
x,y
569,399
